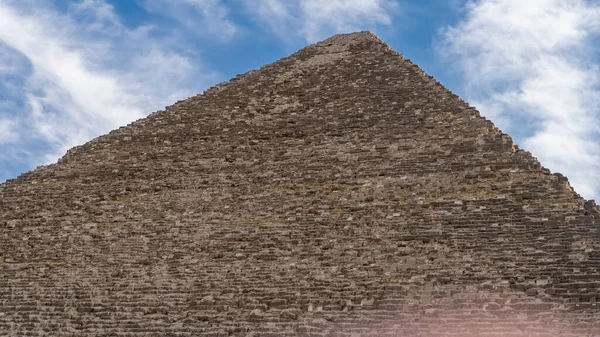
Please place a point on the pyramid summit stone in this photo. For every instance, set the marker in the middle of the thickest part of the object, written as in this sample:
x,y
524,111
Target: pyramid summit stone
x,y
340,191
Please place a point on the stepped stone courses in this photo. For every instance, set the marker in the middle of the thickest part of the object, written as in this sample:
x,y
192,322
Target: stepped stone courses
x,y
337,192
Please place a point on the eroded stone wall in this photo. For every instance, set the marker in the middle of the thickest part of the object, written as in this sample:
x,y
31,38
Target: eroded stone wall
x,y
337,192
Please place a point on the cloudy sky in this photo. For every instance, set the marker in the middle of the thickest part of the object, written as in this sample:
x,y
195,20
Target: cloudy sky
x,y
73,70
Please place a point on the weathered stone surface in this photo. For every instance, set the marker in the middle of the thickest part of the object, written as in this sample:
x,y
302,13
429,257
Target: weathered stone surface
x,y
337,192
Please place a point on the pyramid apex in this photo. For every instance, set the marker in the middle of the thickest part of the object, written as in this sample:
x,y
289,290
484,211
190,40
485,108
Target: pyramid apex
x,y
351,38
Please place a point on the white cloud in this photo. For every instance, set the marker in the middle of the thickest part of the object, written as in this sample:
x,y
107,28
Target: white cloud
x,y
204,17
314,20
530,67
8,133
11,62
83,77
99,15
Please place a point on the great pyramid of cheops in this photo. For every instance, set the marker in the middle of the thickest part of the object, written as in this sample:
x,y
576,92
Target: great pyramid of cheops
x,y
340,191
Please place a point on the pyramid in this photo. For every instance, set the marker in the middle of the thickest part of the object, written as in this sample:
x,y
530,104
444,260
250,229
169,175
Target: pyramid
x,y
340,191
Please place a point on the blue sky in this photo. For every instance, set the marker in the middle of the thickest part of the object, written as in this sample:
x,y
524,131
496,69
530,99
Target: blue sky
x,y
73,70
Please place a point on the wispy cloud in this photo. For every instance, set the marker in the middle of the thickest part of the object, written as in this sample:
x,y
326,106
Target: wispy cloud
x,y
530,66
316,19
83,77
203,17
8,132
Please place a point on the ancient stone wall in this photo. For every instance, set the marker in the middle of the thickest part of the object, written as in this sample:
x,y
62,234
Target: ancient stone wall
x,y
340,191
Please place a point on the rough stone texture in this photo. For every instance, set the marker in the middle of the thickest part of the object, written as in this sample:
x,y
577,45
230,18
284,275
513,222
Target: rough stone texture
x,y
337,192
